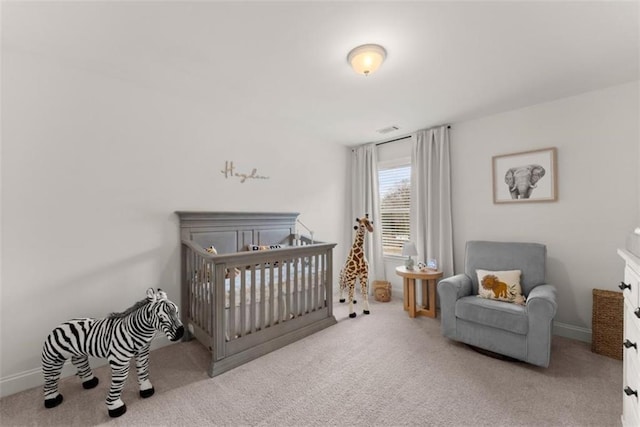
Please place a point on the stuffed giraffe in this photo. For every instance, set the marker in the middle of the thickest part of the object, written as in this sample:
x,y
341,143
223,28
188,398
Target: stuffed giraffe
x,y
356,267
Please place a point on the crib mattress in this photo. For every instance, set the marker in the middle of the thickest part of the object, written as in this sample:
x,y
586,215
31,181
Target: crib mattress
x,y
263,284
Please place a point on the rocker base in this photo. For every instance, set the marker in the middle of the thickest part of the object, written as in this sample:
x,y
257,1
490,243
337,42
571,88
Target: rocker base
x,y
52,403
493,354
91,383
115,413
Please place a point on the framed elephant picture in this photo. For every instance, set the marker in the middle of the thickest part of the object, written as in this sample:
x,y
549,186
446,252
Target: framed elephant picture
x,y
529,176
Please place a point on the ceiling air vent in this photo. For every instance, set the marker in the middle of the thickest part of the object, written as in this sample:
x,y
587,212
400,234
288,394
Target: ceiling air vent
x,y
388,129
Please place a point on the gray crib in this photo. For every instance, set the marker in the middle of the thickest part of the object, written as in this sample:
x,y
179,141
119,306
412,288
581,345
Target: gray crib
x,y
242,304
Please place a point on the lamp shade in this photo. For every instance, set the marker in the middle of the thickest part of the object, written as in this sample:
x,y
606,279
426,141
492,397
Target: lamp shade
x,y
409,249
367,58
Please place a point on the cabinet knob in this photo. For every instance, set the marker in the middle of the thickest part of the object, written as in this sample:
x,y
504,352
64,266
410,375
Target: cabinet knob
x,y
629,344
624,286
630,392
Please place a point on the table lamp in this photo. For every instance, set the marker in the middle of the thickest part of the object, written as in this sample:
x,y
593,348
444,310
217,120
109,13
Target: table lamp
x,y
409,250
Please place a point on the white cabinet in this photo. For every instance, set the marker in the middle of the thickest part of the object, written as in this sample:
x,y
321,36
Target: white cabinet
x,y
631,340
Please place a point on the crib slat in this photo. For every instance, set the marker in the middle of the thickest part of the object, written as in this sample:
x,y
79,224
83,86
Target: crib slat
x,y
252,302
262,296
316,285
288,301
324,279
317,274
270,319
303,287
326,276
296,286
323,288
201,288
243,304
281,295
194,287
219,326
275,300
309,285
231,315
207,302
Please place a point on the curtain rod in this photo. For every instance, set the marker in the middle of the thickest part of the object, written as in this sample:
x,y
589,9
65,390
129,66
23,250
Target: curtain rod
x,y
394,140
401,138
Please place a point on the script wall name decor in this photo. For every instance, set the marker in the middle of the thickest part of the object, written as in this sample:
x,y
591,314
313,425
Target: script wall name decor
x,y
229,171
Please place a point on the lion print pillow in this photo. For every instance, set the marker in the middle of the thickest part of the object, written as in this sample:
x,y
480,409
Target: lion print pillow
x,y
500,285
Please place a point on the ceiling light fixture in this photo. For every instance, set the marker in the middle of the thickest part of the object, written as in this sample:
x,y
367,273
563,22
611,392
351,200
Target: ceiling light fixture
x,y
367,58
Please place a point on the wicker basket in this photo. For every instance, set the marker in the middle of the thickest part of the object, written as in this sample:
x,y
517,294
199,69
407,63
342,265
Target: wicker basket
x,y
382,290
607,323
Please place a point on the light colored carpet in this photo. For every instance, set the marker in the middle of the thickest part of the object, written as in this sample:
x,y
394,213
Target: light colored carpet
x,y
383,369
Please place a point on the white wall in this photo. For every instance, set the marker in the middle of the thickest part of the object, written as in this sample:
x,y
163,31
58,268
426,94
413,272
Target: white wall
x,y
597,136
93,168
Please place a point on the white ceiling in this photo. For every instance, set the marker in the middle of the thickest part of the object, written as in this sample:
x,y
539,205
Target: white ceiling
x,y
260,63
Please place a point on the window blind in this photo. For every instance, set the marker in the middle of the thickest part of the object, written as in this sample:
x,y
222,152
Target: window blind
x,y
395,200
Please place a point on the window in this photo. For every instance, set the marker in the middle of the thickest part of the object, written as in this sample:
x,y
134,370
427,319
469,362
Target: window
x,y
395,200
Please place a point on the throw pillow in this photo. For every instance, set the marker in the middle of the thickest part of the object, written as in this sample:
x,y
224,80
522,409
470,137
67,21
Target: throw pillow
x,y
264,248
500,285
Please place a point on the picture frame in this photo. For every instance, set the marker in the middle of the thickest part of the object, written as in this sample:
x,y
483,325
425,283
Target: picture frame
x,y
528,176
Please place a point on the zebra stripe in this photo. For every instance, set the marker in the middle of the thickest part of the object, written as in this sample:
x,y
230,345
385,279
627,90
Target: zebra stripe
x,y
117,338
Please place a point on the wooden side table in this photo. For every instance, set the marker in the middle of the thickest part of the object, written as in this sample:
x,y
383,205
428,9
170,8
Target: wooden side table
x,y
428,278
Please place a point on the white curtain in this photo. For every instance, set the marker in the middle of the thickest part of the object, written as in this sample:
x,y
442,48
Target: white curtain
x,y
364,200
431,197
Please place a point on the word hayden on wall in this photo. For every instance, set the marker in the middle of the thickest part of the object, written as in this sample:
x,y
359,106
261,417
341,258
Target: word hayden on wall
x,y
229,171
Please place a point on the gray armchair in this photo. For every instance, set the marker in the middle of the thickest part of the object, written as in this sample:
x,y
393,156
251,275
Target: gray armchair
x,y
520,332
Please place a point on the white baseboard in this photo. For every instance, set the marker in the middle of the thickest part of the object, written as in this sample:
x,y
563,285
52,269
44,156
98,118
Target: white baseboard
x,y
26,380
573,332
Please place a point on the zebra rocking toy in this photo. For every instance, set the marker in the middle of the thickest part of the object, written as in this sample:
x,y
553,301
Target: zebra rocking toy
x,y
118,338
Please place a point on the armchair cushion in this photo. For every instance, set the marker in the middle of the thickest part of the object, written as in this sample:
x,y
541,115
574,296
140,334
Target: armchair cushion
x,y
492,313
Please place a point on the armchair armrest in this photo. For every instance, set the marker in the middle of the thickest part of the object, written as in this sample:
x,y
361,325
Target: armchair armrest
x,y
454,287
541,309
542,302
450,290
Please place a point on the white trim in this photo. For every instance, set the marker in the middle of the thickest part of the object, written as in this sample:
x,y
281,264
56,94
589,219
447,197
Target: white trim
x,y
571,331
32,378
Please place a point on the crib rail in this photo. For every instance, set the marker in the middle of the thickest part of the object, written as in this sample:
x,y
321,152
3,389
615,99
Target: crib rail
x,y
275,290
